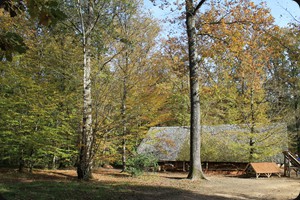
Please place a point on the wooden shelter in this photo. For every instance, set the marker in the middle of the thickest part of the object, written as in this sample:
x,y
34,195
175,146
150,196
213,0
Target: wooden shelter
x,y
263,168
171,145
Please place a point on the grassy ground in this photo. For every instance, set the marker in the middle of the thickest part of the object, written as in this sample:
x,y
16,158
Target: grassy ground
x,y
56,190
55,185
111,184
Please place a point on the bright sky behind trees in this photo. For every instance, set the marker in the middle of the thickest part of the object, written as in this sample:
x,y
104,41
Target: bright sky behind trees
x,y
284,11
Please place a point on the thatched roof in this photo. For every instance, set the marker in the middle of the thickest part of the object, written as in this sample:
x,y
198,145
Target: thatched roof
x,y
227,143
165,142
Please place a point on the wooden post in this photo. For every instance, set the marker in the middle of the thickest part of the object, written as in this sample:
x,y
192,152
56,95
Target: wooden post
x,y
285,166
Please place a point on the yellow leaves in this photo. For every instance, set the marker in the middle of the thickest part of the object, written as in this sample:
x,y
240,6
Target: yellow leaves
x,y
293,80
5,20
206,90
176,59
1,12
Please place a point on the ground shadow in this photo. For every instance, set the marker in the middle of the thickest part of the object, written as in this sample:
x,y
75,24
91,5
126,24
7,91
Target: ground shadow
x,y
15,176
174,178
74,190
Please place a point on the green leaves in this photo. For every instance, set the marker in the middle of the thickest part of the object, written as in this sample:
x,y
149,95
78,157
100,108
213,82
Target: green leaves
x,y
39,104
9,44
141,162
48,12
13,7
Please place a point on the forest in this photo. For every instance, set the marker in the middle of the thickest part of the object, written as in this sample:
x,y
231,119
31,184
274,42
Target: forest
x,y
81,82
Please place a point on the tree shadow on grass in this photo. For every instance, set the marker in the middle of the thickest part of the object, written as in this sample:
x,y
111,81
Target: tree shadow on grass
x,y
100,190
174,178
120,175
29,177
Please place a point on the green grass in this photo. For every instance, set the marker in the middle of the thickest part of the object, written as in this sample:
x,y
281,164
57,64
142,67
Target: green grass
x,y
25,186
59,190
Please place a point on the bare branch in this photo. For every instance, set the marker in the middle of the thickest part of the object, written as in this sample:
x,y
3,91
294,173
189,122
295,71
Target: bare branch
x,y
73,25
290,12
94,24
229,23
198,6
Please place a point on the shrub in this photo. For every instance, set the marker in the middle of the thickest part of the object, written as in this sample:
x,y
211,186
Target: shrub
x,y
141,162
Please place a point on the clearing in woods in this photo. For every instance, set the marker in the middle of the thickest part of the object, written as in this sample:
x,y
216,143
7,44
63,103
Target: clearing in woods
x,y
111,184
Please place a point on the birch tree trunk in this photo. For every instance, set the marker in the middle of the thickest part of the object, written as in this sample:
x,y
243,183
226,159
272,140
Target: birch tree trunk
x,y
84,167
123,115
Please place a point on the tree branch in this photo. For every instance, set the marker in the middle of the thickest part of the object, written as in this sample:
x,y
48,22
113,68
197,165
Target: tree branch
x,y
211,36
229,23
73,25
93,26
198,6
82,22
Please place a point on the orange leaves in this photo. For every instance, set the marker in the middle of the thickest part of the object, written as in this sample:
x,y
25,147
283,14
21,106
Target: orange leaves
x,y
206,90
2,12
252,4
237,47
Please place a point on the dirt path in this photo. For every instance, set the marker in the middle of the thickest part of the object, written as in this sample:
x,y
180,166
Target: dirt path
x,y
262,188
172,186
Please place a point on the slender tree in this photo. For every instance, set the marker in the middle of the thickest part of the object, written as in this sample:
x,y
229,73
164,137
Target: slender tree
x,y
87,138
92,16
131,64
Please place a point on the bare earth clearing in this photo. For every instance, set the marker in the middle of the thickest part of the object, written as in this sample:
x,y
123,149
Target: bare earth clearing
x,y
173,186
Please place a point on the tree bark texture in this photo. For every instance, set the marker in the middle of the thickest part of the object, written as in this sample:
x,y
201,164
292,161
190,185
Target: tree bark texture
x,y
297,121
252,127
21,161
84,168
124,122
195,136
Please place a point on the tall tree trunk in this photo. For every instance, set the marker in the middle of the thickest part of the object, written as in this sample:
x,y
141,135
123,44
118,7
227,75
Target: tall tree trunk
x,y
252,126
84,168
21,161
297,1
123,115
195,172
297,121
